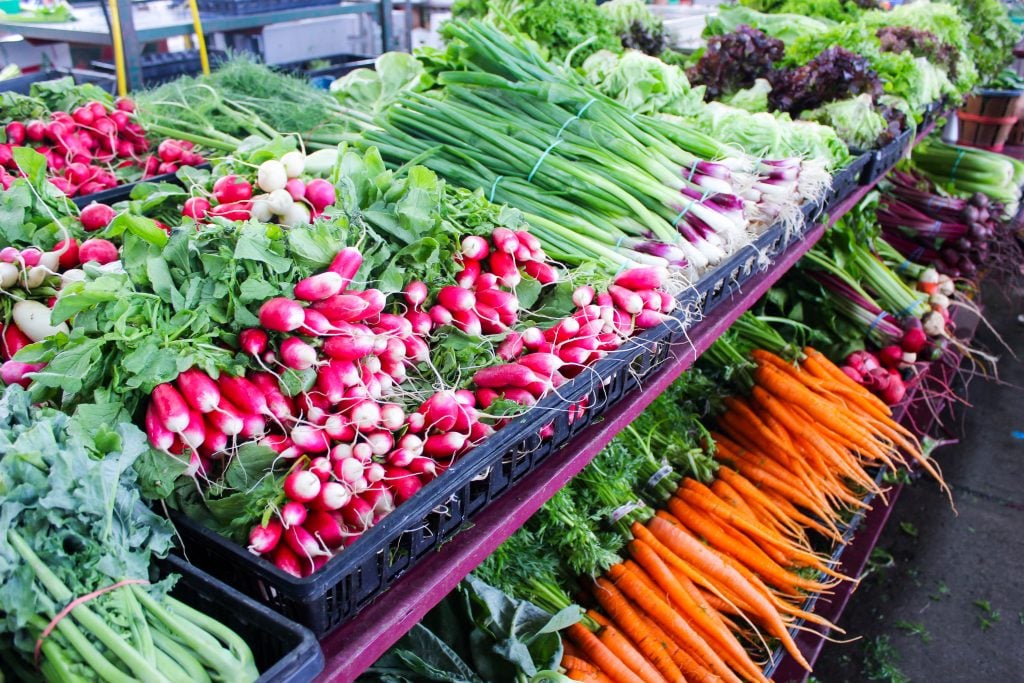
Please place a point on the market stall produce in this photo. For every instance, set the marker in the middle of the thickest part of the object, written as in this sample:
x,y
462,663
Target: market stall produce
x,y
350,335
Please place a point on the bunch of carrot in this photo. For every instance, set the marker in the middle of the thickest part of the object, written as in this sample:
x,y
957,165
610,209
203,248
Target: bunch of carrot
x,y
720,565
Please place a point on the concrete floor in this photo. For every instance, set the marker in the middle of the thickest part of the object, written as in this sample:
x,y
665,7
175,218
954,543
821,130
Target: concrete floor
x,y
944,598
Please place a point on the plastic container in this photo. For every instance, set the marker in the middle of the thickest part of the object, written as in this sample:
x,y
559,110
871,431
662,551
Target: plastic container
x,y
882,160
284,651
988,116
122,192
162,67
363,571
235,7
847,179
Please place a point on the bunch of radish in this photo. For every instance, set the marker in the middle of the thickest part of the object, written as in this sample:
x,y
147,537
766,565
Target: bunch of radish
x,y
284,191
84,148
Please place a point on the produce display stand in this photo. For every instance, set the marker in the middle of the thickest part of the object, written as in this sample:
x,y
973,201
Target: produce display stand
x,y
868,527
155,21
356,645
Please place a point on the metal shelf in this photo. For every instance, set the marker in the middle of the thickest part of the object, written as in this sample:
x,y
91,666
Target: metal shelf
x,y
355,646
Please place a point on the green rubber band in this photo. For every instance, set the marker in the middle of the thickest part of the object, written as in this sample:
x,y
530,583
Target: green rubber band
x,y
959,156
682,214
494,187
543,156
577,116
693,171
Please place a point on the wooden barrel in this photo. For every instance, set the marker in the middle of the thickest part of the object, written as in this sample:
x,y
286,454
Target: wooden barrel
x,y
988,117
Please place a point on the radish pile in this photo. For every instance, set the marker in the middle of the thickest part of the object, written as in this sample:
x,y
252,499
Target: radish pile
x,y
283,191
89,149
359,442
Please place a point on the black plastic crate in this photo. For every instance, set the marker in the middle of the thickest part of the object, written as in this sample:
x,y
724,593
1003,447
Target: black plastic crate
x,y
257,6
163,67
22,85
883,159
284,651
417,527
729,276
846,180
123,192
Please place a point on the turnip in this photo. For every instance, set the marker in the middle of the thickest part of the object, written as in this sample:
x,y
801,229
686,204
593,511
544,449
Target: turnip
x,y
33,319
281,315
301,486
297,354
264,538
198,390
230,189
271,175
294,163
320,194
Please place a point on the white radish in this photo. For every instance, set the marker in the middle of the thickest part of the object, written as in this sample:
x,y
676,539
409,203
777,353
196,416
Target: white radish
x,y
297,215
271,176
9,275
261,210
33,318
280,202
294,163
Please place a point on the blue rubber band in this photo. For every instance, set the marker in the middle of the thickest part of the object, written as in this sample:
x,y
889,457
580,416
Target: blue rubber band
x,y
494,187
693,171
686,210
543,156
877,321
903,266
935,227
578,115
618,242
956,164
910,307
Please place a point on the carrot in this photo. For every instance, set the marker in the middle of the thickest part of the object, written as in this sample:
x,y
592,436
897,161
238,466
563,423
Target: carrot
x,y
746,553
572,662
730,496
750,423
668,619
768,516
704,622
601,656
691,669
820,366
705,560
768,473
588,676
624,650
642,575
744,487
626,618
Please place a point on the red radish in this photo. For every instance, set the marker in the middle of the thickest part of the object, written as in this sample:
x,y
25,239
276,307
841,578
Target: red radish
x,y
253,426
15,133
69,257
467,277
348,469
467,322
440,316
195,433
415,422
647,319
646,277
97,251
541,272
319,287
169,151
444,446
379,497
533,338
264,538
125,104
326,528
583,295
198,390
511,348
310,439
16,372
486,281
853,374
363,453
890,356
505,240
170,407
243,394
485,397
302,543
346,263
320,193
234,211
293,513
440,411
215,441
281,315
349,347
253,341
35,131
30,256
227,418
519,395
403,483
343,307
333,496
420,322
456,299
196,208
375,302
564,331
475,247
914,340
96,216
365,415
380,443
231,188
507,375
544,364
359,513
159,436
894,391
297,354
504,266
392,416
316,324
302,486
480,431
415,293
287,561
625,299
296,189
